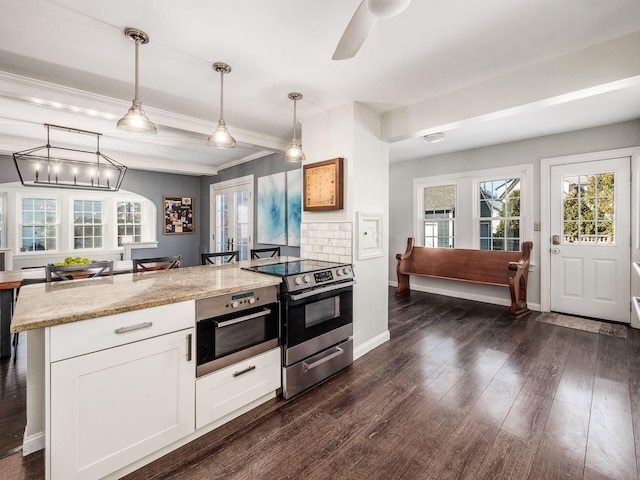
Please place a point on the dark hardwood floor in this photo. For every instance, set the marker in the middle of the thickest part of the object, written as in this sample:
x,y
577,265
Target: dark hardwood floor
x,y
460,391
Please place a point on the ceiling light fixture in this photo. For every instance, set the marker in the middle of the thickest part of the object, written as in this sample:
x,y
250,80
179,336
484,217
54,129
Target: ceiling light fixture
x,y
434,137
63,167
135,119
221,138
294,153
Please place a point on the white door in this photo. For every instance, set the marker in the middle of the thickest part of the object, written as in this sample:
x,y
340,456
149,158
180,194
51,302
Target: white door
x,y
232,216
591,242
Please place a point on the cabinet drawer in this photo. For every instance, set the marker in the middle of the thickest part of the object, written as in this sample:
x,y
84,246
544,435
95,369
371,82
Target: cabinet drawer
x,y
86,336
231,388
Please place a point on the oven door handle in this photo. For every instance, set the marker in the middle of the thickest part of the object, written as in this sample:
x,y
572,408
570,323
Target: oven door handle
x,y
318,291
264,312
308,366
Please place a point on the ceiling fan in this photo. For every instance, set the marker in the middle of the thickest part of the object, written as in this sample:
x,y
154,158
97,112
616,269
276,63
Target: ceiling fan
x,y
362,23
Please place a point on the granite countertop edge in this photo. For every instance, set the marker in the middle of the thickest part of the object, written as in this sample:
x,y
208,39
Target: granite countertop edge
x,y
37,307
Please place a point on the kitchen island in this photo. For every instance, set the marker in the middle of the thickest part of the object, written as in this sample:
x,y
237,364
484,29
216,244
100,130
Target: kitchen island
x,y
111,376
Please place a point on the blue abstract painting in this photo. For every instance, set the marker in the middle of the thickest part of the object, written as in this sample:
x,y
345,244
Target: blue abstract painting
x,y
294,207
272,209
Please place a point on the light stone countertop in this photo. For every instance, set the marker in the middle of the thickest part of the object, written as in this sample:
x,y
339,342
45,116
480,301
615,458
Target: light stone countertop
x,y
48,304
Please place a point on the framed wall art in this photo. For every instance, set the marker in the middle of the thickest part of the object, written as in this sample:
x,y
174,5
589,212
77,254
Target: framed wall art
x,y
179,215
323,185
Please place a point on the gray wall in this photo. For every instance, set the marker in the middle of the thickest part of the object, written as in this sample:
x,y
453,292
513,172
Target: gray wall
x,y
154,186
260,167
401,177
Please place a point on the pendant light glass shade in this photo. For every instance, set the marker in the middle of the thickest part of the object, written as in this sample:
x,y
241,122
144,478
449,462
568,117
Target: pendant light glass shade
x,y
294,153
221,138
135,120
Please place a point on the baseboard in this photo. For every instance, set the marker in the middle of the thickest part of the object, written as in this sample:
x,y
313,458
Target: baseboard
x,y
33,443
369,345
467,296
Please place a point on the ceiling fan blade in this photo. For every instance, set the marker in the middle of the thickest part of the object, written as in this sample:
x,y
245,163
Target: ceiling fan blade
x,y
356,33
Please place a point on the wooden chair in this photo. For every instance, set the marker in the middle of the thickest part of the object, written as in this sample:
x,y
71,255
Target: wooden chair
x,y
268,252
143,264
225,257
64,272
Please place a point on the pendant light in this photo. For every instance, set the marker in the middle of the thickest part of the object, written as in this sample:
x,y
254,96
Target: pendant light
x,y
221,138
294,153
135,119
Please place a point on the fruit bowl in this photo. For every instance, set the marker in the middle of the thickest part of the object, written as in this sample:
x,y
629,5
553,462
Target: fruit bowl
x,y
73,261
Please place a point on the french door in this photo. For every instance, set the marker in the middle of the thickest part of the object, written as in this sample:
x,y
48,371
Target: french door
x,y
232,216
590,239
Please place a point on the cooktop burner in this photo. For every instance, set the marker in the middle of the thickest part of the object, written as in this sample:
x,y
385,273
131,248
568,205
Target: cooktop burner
x,y
305,274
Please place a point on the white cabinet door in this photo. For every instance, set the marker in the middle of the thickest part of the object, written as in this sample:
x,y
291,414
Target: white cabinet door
x,y
113,407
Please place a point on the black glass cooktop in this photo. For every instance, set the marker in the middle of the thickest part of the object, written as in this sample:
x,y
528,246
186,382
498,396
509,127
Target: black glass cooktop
x,y
295,267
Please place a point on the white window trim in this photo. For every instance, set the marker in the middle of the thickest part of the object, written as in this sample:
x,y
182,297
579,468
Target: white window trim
x,y
14,192
468,195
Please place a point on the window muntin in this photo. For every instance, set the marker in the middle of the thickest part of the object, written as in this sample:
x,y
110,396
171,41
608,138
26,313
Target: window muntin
x,y
588,209
39,224
500,214
87,224
439,205
129,221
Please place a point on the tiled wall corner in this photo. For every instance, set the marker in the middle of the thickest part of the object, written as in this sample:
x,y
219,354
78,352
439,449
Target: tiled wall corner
x,y
330,241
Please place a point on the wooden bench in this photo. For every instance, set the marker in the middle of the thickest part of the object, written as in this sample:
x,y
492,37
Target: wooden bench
x,y
486,267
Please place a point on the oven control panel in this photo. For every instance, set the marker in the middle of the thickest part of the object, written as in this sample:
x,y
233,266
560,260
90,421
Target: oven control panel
x,y
227,303
318,278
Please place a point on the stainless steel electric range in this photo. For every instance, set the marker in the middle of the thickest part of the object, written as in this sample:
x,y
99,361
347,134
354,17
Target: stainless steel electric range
x,y
317,320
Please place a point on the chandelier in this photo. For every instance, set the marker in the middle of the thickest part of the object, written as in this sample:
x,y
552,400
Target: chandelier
x,y
63,167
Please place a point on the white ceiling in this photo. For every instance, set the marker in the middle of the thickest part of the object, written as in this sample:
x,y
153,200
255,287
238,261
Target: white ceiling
x,y
67,62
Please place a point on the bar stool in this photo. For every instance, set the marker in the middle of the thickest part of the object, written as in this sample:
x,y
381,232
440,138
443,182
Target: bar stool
x,y
265,252
224,257
143,264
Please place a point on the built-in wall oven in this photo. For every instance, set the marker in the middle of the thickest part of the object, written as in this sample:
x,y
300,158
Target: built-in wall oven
x,y
317,320
236,326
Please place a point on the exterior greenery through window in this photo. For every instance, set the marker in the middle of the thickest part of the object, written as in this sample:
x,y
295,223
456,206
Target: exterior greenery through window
x,y
129,222
87,224
439,216
589,209
500,214
39,224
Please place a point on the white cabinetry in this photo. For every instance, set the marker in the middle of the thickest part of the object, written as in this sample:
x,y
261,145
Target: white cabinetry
x,y
225,391
111,407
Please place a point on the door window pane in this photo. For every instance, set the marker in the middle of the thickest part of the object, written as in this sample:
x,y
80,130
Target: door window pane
x,y
588,209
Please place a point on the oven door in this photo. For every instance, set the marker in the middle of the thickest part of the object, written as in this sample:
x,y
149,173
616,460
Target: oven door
x,y
310,314
223,340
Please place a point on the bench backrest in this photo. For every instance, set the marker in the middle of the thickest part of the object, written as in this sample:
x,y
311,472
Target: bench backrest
x,y
478,266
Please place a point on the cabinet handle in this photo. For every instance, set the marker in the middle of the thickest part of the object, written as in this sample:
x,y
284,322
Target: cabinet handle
x,y
134,327
189,347
246,370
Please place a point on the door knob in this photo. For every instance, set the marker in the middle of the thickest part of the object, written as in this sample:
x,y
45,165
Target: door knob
x,y
555,250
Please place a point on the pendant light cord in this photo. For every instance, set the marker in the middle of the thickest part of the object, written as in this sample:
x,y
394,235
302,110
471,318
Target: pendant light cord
x,y
137,42
294,119
221,93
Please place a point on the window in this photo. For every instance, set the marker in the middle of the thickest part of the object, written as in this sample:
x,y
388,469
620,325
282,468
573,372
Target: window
x,y
483,209
39,224
129,222
500,214
439,216
87,224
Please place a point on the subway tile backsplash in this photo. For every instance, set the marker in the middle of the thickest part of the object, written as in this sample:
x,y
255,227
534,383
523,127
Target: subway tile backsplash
x,y
330,241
